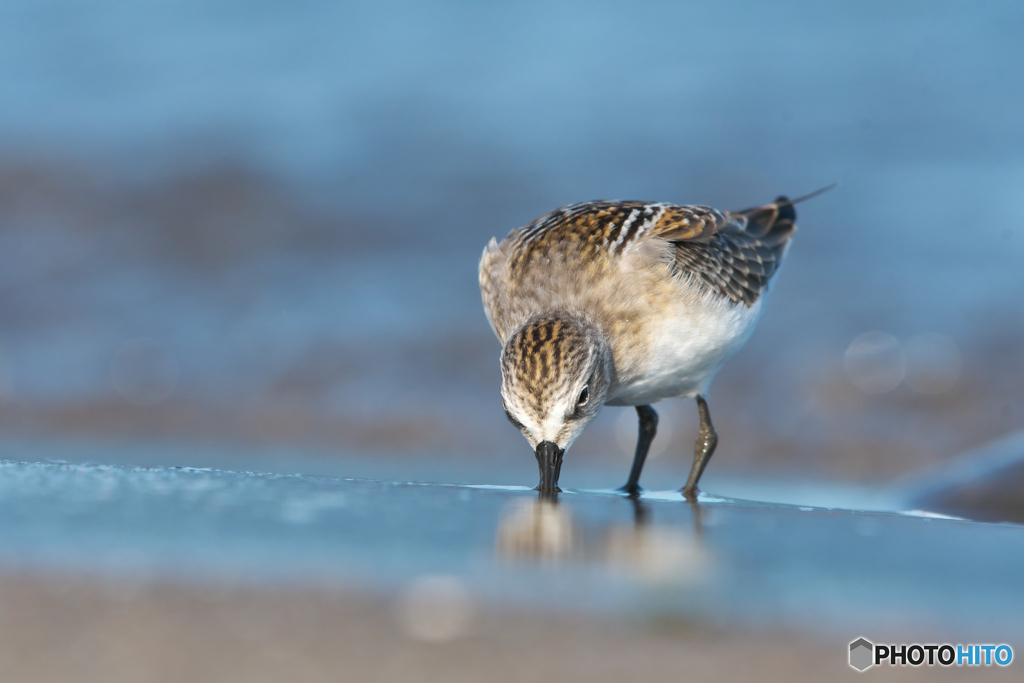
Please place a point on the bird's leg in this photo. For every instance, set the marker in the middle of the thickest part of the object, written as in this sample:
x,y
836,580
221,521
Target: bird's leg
x,y
707,439
648,428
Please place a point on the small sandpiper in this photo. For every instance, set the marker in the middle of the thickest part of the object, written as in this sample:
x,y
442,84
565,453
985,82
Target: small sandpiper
x,y
625,303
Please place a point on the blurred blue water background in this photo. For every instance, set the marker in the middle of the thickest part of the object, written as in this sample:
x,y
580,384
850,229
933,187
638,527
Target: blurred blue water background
x,y
257,225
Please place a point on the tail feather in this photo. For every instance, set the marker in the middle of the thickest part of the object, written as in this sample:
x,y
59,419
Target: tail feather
x,y
775,222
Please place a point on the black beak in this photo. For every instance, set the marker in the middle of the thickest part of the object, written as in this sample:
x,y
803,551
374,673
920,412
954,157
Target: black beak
x,y
549,458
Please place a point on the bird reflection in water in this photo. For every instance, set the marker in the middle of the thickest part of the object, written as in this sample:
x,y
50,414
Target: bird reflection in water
x,y
538,529
546,531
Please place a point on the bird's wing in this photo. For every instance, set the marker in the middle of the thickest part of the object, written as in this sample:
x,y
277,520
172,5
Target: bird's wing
x,y
729,254
733,254
609,228
740,257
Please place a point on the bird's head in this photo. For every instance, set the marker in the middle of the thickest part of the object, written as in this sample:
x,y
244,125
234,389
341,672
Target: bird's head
x,y
555,372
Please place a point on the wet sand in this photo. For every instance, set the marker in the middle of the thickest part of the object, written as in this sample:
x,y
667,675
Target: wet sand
x,y
64,628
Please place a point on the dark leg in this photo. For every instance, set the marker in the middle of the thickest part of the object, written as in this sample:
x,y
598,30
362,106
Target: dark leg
x,y
648,428
707,439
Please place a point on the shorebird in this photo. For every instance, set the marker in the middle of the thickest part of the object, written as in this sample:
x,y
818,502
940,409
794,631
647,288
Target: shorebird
x,y
625,303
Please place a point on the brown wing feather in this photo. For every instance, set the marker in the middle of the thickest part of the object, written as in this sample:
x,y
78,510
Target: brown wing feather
x,y
610,227
741,258
734,254
689,223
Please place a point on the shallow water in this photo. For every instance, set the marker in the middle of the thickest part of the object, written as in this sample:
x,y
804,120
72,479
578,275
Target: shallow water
x,y
725,561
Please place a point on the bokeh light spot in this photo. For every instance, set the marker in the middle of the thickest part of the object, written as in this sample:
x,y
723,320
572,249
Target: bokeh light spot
x,y
875,362
436,608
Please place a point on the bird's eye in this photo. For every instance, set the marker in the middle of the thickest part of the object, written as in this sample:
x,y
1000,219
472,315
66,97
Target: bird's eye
x,y
584,397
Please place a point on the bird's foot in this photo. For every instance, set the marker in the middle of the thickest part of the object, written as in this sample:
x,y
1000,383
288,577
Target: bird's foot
x,y
631,490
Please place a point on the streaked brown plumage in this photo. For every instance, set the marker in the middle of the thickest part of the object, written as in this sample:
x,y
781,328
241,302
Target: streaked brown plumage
x,y
625,303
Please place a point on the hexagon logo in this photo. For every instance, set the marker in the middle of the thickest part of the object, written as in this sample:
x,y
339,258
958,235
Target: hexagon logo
x,y
862,654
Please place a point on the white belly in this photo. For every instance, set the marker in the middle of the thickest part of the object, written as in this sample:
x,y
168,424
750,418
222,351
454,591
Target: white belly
x,y
685,352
